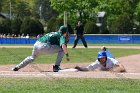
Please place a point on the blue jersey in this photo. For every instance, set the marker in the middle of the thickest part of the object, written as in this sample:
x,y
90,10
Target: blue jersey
x,y
109,54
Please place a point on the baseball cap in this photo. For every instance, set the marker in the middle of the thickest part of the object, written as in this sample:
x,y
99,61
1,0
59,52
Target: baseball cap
x,y
63,29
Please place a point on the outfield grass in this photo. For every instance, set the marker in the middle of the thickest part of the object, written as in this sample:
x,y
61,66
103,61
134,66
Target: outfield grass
x,y
14,56
62,85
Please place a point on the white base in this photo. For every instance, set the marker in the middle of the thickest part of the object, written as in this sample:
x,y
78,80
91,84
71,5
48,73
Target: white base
x,y
68,70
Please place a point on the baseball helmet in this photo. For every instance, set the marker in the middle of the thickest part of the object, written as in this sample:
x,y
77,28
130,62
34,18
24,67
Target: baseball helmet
x,y
102,54
63,29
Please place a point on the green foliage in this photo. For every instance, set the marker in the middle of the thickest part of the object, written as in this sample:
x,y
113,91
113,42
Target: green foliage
x,y
121,25
137,12
118,10
51,27
77,9
84,10
43,10
16,25
1,2
54,24
70,30
137,19
31,26
5,26
91,28
21,9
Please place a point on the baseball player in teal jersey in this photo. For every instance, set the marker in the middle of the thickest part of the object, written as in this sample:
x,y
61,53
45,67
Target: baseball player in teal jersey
x,y
103,63
53,42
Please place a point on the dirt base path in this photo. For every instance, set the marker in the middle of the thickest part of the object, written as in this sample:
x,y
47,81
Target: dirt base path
x,y
131,63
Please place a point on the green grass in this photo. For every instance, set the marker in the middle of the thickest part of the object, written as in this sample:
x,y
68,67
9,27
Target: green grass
x,y
61,85
65,85
14,56
77,45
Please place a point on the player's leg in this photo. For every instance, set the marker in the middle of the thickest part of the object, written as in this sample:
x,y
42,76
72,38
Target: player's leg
x,y
75,41
25,62
60,55
37,49
84,42
57,49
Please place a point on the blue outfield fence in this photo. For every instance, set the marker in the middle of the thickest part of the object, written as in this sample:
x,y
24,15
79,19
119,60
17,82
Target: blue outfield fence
x,y
91,39
17,41
109,39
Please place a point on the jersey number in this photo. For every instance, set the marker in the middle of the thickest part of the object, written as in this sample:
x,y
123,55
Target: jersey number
x,y
51,34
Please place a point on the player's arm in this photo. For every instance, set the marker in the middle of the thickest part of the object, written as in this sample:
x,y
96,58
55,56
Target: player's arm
x,y
91,67
118,68
64,47
81,68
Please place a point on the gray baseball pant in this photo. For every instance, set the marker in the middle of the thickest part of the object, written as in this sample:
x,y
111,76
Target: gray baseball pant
x,y
43,48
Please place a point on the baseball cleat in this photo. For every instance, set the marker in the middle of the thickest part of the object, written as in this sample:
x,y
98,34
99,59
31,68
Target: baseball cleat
x,y
15,69
56,68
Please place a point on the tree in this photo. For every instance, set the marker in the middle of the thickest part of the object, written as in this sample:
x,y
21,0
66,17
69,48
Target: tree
x,y
77,9
32,27
117,9
122,25
137,13
43,10
5,26
54,24
91,28
16,25
21,9
18,8
1,3
84,10
137,19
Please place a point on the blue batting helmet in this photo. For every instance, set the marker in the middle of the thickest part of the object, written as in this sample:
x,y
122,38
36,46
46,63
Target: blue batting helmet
x,y
102,54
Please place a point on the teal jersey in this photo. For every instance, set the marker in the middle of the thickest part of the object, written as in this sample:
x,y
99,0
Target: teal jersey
x,y
55,38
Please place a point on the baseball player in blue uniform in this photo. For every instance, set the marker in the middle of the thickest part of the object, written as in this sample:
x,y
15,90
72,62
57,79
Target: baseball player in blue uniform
x,y
103,63
53,42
